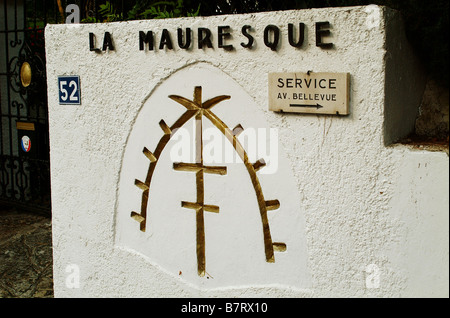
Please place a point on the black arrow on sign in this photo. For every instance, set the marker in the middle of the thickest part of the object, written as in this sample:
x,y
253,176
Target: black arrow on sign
x,y
306,105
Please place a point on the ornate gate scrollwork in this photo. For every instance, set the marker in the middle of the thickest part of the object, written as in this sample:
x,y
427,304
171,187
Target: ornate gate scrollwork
x,y
24,171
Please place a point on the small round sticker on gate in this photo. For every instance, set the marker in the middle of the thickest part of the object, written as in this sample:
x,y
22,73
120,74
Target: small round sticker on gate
x,y
26,143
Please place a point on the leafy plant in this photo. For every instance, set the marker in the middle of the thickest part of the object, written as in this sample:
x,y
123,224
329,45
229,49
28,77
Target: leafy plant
x,y
145,9
109,13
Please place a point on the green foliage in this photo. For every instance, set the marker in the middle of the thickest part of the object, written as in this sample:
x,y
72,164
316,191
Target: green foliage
x,y
109,12
145,9
89,20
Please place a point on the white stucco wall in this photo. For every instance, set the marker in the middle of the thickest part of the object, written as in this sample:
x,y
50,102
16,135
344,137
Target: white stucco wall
x,y
368,219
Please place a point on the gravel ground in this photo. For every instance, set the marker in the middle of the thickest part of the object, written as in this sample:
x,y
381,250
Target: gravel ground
x,y
25,255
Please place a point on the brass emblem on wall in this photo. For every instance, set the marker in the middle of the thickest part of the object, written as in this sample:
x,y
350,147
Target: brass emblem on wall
x,y
197,109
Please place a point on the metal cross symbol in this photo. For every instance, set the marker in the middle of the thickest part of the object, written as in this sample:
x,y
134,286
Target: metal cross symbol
x,y
200,207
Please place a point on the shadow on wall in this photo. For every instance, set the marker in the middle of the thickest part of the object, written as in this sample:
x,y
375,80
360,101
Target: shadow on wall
x,y
433,118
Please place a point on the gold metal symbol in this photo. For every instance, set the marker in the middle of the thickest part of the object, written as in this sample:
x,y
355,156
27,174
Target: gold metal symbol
x,y
196,108
25,74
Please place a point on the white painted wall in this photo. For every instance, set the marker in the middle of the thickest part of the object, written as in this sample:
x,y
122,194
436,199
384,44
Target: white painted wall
x,y
366,219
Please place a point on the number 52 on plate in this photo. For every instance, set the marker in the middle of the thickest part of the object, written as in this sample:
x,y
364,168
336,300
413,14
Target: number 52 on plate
x,y
69,90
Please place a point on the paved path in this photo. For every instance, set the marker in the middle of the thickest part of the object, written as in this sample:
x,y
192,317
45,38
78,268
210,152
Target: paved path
x,y
25,255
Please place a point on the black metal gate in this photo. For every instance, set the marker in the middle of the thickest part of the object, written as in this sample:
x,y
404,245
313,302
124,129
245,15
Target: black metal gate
x,y
24,139
24,151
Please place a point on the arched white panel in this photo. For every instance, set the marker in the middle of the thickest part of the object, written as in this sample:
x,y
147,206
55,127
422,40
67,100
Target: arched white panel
x,y
251,223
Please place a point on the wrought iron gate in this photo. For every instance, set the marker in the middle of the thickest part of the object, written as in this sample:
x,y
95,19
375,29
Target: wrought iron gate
x,y
24,151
